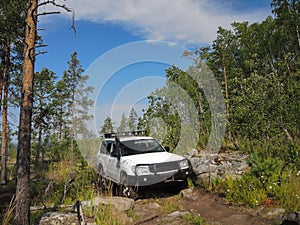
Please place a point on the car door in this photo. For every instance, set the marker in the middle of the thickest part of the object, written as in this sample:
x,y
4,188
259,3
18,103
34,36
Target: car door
x,y
104,155
114,163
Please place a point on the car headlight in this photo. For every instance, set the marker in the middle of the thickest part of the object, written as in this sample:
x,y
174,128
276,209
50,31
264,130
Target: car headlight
x,y
184,164
142,170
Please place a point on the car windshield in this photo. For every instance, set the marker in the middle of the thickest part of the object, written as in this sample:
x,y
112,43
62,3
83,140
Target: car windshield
x,y
132,147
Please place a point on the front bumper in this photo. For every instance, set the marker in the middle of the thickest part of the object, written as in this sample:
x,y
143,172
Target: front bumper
x,y
160,178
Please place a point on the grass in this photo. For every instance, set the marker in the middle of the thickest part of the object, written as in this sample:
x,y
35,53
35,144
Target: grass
x,y
131,213
251,192
10,210
105,215
194,219
169,205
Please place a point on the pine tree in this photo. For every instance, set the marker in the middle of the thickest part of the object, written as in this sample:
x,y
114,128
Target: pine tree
x,y
43,110
107,126
72,78
132,119
123,124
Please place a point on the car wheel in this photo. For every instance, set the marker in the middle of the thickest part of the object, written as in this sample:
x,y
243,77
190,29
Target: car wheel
x,y
126,190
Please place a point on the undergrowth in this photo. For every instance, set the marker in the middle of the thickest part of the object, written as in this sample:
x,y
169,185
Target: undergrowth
x,y
273,180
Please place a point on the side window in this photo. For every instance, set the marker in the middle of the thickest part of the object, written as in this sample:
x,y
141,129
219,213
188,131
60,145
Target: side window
x,y
104,147
113,152
108,147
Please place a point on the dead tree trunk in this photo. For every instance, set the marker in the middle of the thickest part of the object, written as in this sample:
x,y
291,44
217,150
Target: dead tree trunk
x,y
23,157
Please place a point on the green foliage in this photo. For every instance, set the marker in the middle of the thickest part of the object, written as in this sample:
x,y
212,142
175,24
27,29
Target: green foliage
x,y
123,124
268,183
266,169
169,205
107,126
131,213
288,193
106,215
132,119
248,190
194,218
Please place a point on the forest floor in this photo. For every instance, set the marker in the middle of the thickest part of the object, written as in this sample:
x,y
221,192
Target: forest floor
x,y
197,202
191,206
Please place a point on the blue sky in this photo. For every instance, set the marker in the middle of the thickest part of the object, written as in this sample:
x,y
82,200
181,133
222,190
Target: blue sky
x,y
104,26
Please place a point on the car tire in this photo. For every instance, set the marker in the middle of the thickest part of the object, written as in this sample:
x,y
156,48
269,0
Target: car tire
x,y
126,190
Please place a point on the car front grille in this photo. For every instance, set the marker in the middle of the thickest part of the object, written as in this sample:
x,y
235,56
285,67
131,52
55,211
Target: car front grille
x,y
164,167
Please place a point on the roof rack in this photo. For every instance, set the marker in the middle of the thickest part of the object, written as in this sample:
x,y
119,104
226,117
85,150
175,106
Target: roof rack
x,y
125,134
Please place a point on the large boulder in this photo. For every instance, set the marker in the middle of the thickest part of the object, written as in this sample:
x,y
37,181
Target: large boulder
x,y
57,218
211,166
119,203
120,207
291,219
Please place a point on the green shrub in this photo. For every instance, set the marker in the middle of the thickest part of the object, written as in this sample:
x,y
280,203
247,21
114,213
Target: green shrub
x,y
288,193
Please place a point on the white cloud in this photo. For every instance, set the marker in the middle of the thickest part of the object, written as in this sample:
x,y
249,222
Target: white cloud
x,y
189,21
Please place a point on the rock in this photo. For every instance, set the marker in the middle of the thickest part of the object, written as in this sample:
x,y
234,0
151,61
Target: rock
x,y
276,212
57,218
291,219
177,214
154,205
210,166
188,193
119,203
192,153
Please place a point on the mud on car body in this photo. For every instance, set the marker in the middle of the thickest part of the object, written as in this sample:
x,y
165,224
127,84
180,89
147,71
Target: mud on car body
x,y
133,161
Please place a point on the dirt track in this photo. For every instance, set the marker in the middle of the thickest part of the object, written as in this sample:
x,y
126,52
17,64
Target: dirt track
x,y
213,208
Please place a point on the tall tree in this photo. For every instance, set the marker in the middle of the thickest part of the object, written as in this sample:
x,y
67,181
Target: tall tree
x,y
42,108
5,85
132,119
11,33
61,102
123,124
108,126
24,137
72,78
83,105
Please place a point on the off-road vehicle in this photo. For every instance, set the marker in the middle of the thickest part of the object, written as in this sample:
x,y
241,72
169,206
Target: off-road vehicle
x,y
132,161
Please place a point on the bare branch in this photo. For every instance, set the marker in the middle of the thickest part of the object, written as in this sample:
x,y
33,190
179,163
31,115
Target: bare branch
x,y
48,13
52,2
63,6
40,46
41,53
73,22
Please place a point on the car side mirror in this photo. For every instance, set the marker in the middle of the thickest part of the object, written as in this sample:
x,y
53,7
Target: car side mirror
x,y
167,148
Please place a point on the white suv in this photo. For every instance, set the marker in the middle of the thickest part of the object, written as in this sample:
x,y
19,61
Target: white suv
x,y
132,161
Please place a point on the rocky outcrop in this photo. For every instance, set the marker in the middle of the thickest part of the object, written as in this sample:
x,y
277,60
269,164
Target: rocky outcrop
x,y
57,218
291,219
210,166
120,205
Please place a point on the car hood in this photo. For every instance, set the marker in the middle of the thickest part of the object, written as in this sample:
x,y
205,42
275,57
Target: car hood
x,y
151,158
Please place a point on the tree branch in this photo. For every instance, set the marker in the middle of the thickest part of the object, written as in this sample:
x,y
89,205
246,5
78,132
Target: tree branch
x,y
48,13
62,6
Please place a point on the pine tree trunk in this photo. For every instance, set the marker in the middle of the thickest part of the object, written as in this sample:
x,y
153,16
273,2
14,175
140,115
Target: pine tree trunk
x,y
38,150
4,111
2,68
23,156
